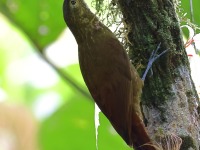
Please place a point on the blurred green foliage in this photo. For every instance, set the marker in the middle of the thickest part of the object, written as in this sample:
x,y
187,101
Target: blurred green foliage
x,y
31,25
185,5
40,20
190,14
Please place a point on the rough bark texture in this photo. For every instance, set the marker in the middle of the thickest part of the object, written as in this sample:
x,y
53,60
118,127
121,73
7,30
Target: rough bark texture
x,y
169,101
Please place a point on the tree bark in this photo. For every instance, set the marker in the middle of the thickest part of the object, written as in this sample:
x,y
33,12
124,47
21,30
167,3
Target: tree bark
x,y
169,100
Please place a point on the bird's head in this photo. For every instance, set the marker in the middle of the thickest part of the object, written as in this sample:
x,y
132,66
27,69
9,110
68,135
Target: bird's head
x,y
79,18
76,13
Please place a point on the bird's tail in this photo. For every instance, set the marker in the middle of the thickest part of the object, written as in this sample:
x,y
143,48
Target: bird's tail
x,y
138,137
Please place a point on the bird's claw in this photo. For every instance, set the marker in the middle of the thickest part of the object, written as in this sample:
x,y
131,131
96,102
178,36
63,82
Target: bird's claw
x,y
152,59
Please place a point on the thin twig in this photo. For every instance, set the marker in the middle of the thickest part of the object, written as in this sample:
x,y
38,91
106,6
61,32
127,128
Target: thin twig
x,y
67,78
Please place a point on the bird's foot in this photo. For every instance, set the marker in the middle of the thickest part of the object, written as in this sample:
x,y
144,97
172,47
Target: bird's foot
x,y
154,56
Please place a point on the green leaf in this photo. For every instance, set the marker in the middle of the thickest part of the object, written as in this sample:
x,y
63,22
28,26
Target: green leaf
x,y
41,20
185,4
72,128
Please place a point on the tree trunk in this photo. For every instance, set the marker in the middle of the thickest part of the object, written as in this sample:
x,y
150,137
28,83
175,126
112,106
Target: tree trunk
x,y
169,100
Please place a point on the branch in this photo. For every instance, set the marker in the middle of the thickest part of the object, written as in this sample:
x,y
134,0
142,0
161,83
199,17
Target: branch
x,y
66,77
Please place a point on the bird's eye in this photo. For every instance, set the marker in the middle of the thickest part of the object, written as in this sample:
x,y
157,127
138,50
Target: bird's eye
x,y
73,2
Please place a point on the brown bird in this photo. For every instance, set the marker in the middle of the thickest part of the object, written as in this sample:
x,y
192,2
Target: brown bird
x,y
110,77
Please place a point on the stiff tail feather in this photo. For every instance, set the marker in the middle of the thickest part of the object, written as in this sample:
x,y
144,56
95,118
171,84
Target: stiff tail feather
x,y
139,138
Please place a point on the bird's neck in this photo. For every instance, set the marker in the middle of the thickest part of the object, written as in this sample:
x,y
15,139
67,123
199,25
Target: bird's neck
x,y
85,27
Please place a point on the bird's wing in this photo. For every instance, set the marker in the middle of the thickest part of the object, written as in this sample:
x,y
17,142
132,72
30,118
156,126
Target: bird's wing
x,y
112,93
115,86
